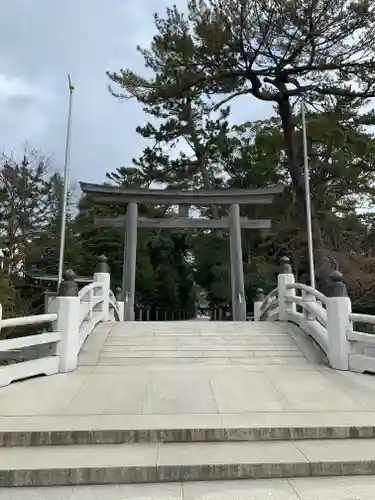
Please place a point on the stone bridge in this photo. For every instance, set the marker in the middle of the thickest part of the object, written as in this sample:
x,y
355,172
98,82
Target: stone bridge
x,y
268,409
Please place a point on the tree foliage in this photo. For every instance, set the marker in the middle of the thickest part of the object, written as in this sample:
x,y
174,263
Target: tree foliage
x,y
30,205
277,51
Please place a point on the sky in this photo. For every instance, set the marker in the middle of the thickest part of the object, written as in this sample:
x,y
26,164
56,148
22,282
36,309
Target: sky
x,y
41,41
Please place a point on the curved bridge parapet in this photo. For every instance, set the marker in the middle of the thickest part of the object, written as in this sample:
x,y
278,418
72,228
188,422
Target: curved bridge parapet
x,y
328,320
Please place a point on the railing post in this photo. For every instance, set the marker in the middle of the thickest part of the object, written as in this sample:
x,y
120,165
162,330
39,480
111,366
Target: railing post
x,y
102,276
120,303
339,307
258,304
286,277
67,306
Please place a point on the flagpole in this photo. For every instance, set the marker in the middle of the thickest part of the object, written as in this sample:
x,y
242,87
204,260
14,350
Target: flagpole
x,y
307,198
65,195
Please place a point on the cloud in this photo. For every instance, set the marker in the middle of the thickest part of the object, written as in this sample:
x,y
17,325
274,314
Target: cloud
x,y
23,109
40,43
11,88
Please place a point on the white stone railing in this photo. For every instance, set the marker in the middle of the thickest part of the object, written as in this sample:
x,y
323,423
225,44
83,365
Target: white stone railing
x,y
268,306
296,303
328,320
116,305
46,364
362,345
72,315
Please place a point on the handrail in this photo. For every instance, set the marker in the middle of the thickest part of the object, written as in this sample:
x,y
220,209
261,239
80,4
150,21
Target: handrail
x,y
362,318
273,293
114,305
367,338
308,289
317,311
28,320
88,288
328,320
31,340
269,306
73,315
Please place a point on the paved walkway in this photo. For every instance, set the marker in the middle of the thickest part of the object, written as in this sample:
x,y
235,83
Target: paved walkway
x,y
197,374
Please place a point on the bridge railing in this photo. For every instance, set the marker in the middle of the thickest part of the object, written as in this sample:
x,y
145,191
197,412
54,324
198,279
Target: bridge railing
x,y
328,320
46,363
71,317
362,345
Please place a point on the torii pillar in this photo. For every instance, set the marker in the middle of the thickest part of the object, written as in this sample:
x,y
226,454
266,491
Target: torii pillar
x,y
130,260
236,265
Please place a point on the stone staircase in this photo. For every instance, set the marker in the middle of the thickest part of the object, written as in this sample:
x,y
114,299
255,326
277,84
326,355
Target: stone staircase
x,y
166,409
112,455
199,343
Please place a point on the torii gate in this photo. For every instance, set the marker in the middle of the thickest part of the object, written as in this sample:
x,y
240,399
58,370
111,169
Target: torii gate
x,y
183,198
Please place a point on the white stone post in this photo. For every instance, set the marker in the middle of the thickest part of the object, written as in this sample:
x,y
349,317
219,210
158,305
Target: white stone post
x,y
120,303
339,307
67,306
286,277
102,276
258,304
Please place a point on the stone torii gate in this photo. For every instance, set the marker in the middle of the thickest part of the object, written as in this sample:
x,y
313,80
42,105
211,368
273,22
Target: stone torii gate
x,y
183,198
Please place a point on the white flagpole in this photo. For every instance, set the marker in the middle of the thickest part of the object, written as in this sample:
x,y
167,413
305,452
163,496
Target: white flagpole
x,y
307,198
65,195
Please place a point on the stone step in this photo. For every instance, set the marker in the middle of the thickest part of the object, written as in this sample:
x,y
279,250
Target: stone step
x,y
156,362
316,488
155,462
210,434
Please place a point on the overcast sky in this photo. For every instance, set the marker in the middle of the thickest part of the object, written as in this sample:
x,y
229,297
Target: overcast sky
x,y
43,40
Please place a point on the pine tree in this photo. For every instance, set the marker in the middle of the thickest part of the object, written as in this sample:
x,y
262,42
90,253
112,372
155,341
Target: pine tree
x,y
273,50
